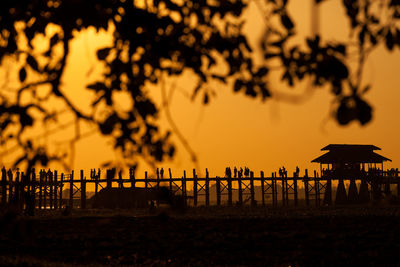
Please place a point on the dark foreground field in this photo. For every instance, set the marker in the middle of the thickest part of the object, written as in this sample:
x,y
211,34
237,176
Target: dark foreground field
x,y
214,236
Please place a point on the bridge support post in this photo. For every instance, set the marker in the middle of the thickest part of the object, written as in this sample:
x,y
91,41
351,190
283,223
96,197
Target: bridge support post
x,y
341,196
207,188
218,190
306,192
71,190
262,188
194,188
83,191
253,201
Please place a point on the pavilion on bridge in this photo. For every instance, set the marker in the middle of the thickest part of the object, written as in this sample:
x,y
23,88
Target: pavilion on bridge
x,y
351,162
350,157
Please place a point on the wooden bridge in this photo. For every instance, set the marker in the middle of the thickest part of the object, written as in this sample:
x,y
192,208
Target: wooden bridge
x,y
46,188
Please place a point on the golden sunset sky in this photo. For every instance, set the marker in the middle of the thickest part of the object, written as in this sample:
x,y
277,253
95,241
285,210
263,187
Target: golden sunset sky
x,y
234,130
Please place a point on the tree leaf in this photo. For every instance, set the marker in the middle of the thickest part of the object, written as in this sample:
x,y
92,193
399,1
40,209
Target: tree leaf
x,y
389,40
287,22
364,111
261,72
107,126
103,53
98,86
22,74
206,99
54,40
32,63
238,85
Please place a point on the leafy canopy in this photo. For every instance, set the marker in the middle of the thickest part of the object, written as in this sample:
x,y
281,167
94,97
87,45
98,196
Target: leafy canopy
x,y
153,39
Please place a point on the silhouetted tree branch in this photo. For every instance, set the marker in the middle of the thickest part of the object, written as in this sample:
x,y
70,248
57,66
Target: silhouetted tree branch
x,y
166,37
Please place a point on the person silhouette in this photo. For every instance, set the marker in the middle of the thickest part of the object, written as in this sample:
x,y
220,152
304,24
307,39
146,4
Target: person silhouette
x,y
162,173
4,172
246,171
10,174
284,172
228,172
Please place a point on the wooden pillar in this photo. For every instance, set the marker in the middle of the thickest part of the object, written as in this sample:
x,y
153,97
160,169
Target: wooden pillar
x,y
45,188
83,191
40,189
96,186
286,188
26,182
316,189
306,192
3,186
364,195
353,194
283,189
207,188
183,185
262,188
253,201
194,188
274,193
218,190
296,200
109,179
158,180
17,191
240,191
132,178
120,182
341,196
170,180
33,187
51,185
21,183
61,190
328,191
10,186
71,190
56,187
229,181
146,185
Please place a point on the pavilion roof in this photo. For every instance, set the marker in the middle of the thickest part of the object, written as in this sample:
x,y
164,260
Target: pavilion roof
x,y
350,154
350,147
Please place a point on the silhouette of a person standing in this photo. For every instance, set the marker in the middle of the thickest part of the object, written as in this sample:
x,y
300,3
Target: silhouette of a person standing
x,y
246,171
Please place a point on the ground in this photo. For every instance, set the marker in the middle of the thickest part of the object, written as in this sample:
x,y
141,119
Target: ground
x,y
204,236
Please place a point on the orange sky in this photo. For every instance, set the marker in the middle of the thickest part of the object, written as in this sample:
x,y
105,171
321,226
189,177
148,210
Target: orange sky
x,y
238,131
